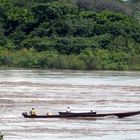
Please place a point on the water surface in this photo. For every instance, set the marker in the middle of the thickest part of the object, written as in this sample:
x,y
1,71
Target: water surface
x,y
53,91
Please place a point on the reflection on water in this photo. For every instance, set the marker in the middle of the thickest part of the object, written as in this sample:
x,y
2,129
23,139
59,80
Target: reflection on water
x,y
53,91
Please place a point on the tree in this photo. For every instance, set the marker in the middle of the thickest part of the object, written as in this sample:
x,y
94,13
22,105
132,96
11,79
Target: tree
x,y
53,10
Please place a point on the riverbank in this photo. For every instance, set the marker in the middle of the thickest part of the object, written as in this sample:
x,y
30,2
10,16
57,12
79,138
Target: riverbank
x,y
87,60
66,34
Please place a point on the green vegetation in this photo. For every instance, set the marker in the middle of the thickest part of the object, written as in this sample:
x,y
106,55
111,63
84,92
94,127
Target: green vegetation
x,y
64,34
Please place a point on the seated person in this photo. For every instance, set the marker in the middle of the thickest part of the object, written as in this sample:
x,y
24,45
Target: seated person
x,y
68,109
1,137
32,112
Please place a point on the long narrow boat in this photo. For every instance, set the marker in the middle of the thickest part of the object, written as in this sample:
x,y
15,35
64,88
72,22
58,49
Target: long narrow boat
x,y
77,113
82,115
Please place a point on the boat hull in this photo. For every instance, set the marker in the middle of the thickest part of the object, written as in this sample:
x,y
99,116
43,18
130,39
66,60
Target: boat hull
x,y
84,115
76,113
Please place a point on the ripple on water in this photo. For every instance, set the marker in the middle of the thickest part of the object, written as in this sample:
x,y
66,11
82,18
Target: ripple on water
x,y
53,91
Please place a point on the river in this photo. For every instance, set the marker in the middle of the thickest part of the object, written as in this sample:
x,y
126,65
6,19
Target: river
x,y
54,90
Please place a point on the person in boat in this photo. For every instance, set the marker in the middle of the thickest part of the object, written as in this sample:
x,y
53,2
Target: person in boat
x,y
33,112
68,109
1,137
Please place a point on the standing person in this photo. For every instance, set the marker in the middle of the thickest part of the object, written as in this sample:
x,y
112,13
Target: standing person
x,y
33,112
68,109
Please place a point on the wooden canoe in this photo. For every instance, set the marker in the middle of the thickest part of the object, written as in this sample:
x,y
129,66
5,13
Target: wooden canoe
x,y
83,115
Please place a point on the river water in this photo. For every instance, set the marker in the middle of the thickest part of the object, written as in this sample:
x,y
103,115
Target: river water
x,y
52,91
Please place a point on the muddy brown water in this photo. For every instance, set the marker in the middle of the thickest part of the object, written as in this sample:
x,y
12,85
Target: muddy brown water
x,y
52,91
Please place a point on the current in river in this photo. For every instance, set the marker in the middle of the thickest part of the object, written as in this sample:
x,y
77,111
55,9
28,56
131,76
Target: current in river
x,y
54,90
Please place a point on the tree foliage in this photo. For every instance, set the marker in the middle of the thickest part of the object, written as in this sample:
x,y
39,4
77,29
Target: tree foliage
x,y
76,34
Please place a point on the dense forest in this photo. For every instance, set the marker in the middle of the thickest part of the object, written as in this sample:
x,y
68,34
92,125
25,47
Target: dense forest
x,y
70,34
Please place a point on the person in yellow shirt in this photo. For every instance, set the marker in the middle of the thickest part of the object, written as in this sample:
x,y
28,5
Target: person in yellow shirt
x,y
33,112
